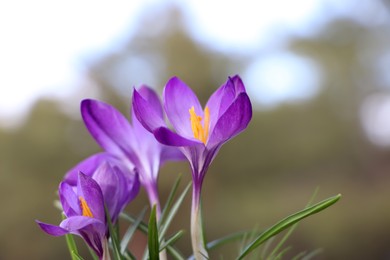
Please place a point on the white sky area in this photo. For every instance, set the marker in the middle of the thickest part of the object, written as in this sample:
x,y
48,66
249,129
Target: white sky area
x,y
44,42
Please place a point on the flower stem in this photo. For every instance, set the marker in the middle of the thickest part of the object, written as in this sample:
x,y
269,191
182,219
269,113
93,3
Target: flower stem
x,y
198,243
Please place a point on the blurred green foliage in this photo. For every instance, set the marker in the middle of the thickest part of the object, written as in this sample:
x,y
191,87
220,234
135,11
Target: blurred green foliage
x,y
267,172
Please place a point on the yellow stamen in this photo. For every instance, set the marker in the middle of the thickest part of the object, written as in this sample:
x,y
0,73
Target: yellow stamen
x,y
85,208
200,132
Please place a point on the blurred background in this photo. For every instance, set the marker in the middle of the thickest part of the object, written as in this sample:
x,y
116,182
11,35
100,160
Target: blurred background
x,y
317,72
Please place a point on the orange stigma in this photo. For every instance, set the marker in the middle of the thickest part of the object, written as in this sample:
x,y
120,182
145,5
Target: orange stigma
x,y
200,132
85,208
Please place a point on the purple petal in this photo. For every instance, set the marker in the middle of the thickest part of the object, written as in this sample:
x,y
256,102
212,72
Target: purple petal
x,y
178,100
73,224
88,166
52,229
238,84
91,192
109,127
166,136
234,120
114,188
69,200
219,101
147,108
169,153
91,230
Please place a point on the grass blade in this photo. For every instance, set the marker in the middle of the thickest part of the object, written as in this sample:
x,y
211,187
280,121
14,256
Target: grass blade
x,y
172,239
287,222
226,239
153,243
113,236
169,202
170,215
130,231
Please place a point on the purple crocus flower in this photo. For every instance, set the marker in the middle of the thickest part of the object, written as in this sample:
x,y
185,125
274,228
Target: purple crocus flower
x,y
85,216
130,144
119,185
198,133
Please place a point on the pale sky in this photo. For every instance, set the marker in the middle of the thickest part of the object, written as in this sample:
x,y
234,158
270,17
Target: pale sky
x,y
43,42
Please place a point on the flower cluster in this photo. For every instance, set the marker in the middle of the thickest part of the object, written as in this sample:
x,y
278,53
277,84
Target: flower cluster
x,y
95,192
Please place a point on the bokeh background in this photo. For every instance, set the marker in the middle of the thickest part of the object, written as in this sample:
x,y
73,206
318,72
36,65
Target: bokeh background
x,y
317,72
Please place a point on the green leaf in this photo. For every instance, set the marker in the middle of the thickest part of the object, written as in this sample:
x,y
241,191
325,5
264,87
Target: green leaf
x,y
130,231
287,222
226,239
172,239
171,214
74,254
113,235
169,202
144,229
291,230
153,243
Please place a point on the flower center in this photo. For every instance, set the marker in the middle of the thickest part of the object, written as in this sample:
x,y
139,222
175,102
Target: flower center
x,y
85,208
200,132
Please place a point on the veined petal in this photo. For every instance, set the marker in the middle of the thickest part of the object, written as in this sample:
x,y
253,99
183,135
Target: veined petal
x,y
109,127
178,100
166,136
148,109
169,153
52,229
238,84
219,101
73,224
88,166
114,188
69,200
92,194
233,121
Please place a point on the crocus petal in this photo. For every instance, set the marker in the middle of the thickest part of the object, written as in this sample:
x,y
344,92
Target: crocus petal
x,y
109,127
234,120
147,109
238,84
88,166
171,154
52,229
69,200
178,100
73,224
92,194
114,188
168,137
219,101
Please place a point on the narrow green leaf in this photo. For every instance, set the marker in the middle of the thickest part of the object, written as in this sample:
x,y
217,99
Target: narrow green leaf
x,y
113,235
93,254
72,247
169,202
312,254
287,222
172,239
175,253
130,231
143,227
292,228
76,256
226,239
281,253
171,214
153,243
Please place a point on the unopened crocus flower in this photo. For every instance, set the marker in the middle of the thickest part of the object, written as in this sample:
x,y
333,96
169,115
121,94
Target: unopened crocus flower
x,y
85,216
135,147
199,133
119,185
